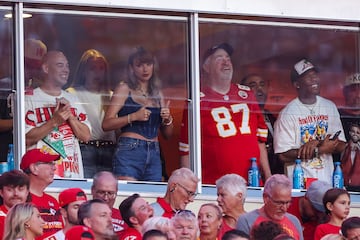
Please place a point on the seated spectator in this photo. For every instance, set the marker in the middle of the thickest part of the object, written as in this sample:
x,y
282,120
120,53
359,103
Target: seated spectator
x,y
266,230
235,234
284,236
350,228
337,205
185,225
79,232
159,223
231,192
309,209
96,215
277,198
40,167
105,187
14,188
135,211
333,236
23,222
209,219
181,190
155,235
69,200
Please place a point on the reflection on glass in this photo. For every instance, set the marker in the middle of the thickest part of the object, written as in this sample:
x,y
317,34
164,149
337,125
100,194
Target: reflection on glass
x,y
115,38
6,85
139,109
269,52
91,84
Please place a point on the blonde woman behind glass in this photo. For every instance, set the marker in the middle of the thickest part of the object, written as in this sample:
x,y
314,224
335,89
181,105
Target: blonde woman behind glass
x,y
91,84
23,222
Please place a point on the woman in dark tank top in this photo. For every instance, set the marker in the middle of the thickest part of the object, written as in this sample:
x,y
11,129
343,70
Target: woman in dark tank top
x,y
139,110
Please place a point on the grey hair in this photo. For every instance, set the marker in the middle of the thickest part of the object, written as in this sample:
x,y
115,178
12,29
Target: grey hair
x,y
277,180
185,215
98,175
182,173
85,209
156,222
233,183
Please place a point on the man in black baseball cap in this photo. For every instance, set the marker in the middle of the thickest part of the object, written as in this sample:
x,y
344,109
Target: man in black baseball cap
x,y
213,49
222,108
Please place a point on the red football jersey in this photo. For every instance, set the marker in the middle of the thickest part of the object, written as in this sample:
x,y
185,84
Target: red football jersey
x,y
231,127
49,209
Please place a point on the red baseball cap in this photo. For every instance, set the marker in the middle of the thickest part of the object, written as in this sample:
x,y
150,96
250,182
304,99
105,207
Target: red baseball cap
x,y
71,195
79,232
37,155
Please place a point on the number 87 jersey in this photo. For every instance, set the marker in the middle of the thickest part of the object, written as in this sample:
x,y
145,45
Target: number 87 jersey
x,y
232,124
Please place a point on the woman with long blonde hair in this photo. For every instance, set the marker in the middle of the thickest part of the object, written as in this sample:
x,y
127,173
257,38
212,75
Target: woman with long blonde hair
x,y
23,222
92,85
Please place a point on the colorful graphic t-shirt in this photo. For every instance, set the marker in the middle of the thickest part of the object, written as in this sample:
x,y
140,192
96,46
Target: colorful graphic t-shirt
x,y
39,108
298,124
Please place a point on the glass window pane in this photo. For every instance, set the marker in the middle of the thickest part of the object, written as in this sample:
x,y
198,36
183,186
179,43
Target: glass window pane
x,y
6,84
269,52
115,38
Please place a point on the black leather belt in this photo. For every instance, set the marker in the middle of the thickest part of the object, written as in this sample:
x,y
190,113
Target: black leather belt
x,y
98,143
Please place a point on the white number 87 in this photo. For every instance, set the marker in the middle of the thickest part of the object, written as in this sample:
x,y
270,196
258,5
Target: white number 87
x,y
225,126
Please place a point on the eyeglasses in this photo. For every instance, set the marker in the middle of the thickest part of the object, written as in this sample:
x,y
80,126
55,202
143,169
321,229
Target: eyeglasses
x,y
280,203
190,193
185,212
103,194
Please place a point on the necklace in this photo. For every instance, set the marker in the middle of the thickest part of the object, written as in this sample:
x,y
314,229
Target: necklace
x,y
310,107
143,93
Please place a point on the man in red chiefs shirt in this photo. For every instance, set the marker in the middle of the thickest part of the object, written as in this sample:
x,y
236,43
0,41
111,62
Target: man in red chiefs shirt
x,y
69,200
14,189
232,126
40,167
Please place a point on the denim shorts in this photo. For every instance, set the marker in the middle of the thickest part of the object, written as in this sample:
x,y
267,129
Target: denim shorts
x,y
137,158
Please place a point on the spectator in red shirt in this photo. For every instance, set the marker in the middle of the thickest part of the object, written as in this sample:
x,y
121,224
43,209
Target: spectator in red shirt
x,y
135,211
96,215
181,190
231,192
105,187
14,188
70,200
40,167
309,208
